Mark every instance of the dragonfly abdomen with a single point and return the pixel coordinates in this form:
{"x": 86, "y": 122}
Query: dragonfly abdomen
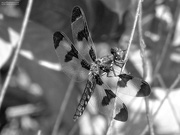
{"x": 89, "y": 89}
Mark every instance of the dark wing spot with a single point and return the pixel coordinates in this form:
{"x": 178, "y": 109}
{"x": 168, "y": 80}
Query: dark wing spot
{"x": 124, "y": 79}
{"x": 57, "y": 38}
{"x": 72, "y": 53}
{"x": 110, "y": 94}
{"x": 145, "y": 90}
{"x": 92, "y": 54}
{"x": 83, "y": 33}
{"x": 76, "y": 13}
{"x": 67, "y": 58}
{"x": 121, "y": 83}
{"x": 122, "y": 115}
{"x": 106, "y": 99}
{"x": 98, "y": 80}
{"x": 85, "y": 64}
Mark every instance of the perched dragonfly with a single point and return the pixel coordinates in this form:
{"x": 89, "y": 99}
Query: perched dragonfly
{"x": 76, "y": 54}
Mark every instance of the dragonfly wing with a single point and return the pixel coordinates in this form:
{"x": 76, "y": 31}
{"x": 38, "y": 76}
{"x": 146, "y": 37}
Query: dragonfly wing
{"x": 70, "y": 59}
{"x": 88, "y": 91}
{"x": 81, "y": 33}
{"x": 105, "y": 99}
{"x": 133, "y": 86}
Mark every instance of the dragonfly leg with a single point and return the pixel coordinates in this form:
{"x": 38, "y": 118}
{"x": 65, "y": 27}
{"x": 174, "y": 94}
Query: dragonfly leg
{"x": 114, "y": 71}
{"x": 108, "y": 74}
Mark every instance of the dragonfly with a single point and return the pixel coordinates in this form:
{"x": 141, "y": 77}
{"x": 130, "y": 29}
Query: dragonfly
{"x": 75, "y": 54}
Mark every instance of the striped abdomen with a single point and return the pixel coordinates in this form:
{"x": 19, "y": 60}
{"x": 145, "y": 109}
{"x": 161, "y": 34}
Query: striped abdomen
{"x": 89, "y": 89}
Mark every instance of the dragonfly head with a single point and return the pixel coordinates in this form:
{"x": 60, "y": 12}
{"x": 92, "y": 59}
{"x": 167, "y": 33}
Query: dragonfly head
{"x": 119, "y": 55}
{"x": 114, "y": 50}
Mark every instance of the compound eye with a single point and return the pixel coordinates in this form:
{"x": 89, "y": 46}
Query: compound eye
{"x": 119, "y": 57}
{"x": 113, "y": 51}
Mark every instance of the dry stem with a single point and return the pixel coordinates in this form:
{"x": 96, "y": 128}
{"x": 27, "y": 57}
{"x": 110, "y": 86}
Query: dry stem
{"x": 14, "y": 60}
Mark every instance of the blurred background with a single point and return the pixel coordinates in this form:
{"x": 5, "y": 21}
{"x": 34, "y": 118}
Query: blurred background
{"x": 37, "y": 87}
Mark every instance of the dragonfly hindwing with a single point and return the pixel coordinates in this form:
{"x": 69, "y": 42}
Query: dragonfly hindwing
{"x": 124, "y": 79}
{"x": 139, "y": 87}
{"x": 122, "y": 115}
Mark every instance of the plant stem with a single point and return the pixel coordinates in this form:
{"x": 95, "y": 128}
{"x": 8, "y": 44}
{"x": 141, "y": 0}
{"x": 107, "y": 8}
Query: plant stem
{"x": 142, "y": 50}
{"x": 14, "y": 60}
{"x": 132, "y": 33}
{"x": 110, "y": 127}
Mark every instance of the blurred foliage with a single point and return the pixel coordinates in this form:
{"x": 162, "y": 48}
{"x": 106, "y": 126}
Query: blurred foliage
{"x": 110, "y": 22}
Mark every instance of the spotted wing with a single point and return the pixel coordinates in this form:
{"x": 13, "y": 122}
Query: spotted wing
{"x": 133, "y": 86}
{"x": 88, "y": 91}
{"x": 81, "y": 35}
{"x": 104, "y": 99}
{"x": 70, "y": 59}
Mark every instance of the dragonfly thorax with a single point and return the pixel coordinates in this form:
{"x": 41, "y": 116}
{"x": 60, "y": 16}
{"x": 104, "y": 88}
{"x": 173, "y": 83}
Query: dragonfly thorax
{"x": 94, "y": 68}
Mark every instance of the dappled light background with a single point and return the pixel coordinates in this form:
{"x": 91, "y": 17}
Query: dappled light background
{"x": 35, "y": 97}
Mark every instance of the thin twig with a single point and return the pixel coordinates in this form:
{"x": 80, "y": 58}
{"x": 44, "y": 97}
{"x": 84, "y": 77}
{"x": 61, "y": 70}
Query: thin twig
{"x": 132, "y": 33}
{"x": 14, "y": 60}
{"x": 142, "y": 44}
{"x": 167, "y": 94}
{"x": 63, "y": 106}
{"x": 110, "y": 127}
{"x": 144, "y": 59}
{"x": 159, "y": 107}
{"x": 161, "y": 81}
